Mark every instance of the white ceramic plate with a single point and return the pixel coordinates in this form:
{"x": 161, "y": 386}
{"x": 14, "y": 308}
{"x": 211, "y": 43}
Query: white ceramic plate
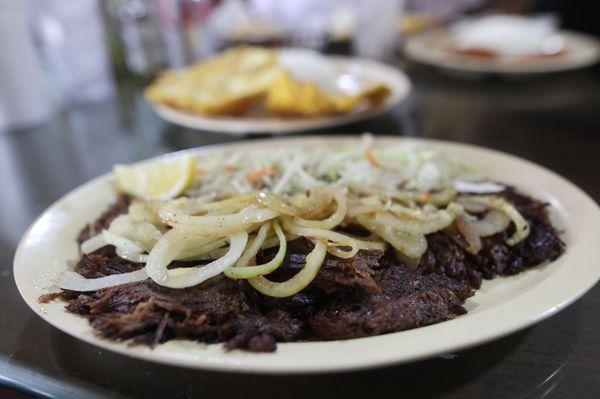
{"x": 369, "y": 70}
{"x": 500, "y": 307}
{"x": 435, "y": 48}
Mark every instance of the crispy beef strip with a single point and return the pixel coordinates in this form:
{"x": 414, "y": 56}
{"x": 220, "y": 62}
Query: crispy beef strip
{"x": 370, "y": 294}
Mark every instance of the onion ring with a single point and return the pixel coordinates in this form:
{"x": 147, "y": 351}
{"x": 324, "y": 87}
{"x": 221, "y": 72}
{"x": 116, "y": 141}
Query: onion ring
{"x": 303, "y": 278}
{"x": 172, "y": 243}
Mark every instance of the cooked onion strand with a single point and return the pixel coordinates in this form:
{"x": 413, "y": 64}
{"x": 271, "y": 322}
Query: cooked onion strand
{"x": 303, "y": 278}
{"x": 265, "y": 268}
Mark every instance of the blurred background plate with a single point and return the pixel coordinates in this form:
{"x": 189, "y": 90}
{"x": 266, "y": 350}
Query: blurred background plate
{"x": 436, "y": 48}
{"x": 364, "y": 69}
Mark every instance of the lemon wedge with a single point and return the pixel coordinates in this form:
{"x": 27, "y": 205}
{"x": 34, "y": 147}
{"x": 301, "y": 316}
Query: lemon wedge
{"x": 161, "y": 180}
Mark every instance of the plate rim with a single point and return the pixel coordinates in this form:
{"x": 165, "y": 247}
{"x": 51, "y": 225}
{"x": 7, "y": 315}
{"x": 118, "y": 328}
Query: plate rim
{"x": 415, "y": 51}
{"x": 401, "y": 88}
{"x": 239, "y": 366}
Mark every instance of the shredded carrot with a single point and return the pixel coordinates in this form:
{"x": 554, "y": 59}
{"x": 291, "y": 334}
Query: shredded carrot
{"x": 425, "y": 196}
{"x": 229, "y": 169}
{"x": 199, "y": 171}
{"x": 257, "y": 175}
{"x": 371, "y": 158}
{"x": 261, "y": 174}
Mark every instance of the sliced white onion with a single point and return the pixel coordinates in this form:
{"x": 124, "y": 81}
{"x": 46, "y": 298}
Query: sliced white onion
{"x": 140, "y": 211}
{"x": 336, "y": 218}
{"x": 270, "y": 242}
{"x": 469, "y": 233}
{"x": 167, "y": 249}
{"x": 371, "y": 245}
{"x": 492, "y": 222}
{"x": 304, "y": 277}
{"x": 335, "y": 250}
{"x": 197, "y": 251}
{"x": 330, "y": 236}
{"x": 170, "y": 212}
{"x": 252, "y": 249}
{"x": 70, "y": 280}
{"x": 431, "y": 222}
{"x": 142, "y": 233}
{"x": 464, "y": 186}
{"x": 412, "y": 245}
{"x": 137, "y": 258}
{"x": 210, "y": 255}
{"x": 471, "y": 205}
{"x": 233, "y": 204}
{"x": 223, "y": 224}
{"x": 412, "y": 263}
{"x": 442, "y": 197}
{"x": 290, "y": 169}
{"x": 521, "y": 225}
{"x": 276, "y": 203}
{"x": 266, "y": 268}
{"x": 192, "y": 205}
{"x": 122, "y": 243}
{"x": 364, "y": 208}
{"x": 93, "y": 244}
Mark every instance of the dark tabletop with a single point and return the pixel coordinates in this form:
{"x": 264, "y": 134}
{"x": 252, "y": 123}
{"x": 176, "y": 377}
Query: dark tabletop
{"x": 553, "y": 120}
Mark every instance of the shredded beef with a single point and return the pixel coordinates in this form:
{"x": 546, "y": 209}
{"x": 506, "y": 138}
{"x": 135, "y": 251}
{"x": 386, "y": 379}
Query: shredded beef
{"x": 407, "y": 299}
{"x": 150, "y": 314}
{"x": 372, "y": 293}
{"x": 117, "y": 208}
{"x": 104, "y": 262}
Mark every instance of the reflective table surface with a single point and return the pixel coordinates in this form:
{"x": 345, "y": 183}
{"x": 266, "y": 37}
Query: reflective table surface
{"x": 553, "y": 120}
